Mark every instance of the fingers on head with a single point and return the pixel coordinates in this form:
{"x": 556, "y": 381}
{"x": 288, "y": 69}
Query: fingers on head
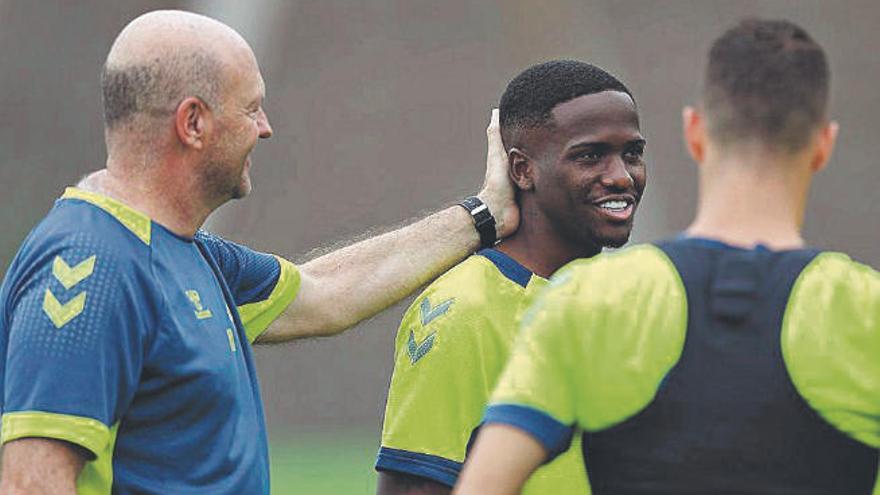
{"x": 493, "y": 123}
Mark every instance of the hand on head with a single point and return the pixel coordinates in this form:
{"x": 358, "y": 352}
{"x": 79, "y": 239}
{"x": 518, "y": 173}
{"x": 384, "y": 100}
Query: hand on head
{"x": 498, "y": 190}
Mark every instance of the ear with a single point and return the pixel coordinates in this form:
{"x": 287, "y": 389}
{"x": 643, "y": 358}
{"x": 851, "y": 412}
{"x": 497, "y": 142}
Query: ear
{"x": 522, "y": 169}
{"x": 192, "y": 121}
{"x": 826, "y": 138}
{"x": 694, "y": 130}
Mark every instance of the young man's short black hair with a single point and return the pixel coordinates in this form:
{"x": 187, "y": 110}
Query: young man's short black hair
{"x": 531, "y": 96}
{"x": 767, "y": 82}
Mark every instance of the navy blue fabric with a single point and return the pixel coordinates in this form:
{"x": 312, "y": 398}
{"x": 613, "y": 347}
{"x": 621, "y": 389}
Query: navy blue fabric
{"x": 252, "y": 275}
{"x": 508, "y": 266}
{"x": 427, "y": 466}
{"x": 716, "y": 244}
{"x": 553, "y": 435}
{"x": 728, "y": 419}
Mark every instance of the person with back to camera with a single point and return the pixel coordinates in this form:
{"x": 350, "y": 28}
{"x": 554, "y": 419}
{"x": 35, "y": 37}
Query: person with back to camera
{"x": 733, "y": 359}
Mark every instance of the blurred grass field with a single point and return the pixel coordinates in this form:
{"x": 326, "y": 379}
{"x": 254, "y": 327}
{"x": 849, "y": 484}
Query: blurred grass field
{"x": 327, "y": 462}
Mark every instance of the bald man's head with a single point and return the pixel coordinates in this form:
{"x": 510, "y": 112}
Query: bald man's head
{"x": 162, "y": 57}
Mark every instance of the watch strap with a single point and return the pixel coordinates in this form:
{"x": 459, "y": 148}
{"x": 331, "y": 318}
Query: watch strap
{"x": 483, "y": 220}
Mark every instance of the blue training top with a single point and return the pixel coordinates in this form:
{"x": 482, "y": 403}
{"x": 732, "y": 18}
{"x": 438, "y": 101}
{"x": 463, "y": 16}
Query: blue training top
{"x": 134, "y": 343}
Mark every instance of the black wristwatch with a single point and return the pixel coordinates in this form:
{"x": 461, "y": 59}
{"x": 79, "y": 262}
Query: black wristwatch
{"x": 483, "y": 220}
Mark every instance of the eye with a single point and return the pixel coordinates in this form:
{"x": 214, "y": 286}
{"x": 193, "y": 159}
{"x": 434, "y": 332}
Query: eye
{"x": 589, "y": 156}
{"x": 634, "y": 154}
{"x": 254, "y": 113}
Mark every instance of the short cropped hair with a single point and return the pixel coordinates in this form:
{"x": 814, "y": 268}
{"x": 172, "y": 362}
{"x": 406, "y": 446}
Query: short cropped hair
{"x": 156, "y": 88}
{"x": 766, "y": 81}
{"x": 533, "y": 94}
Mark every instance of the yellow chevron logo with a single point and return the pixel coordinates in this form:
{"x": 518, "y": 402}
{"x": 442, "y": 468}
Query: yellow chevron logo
{"x": 71, "y": 276}
{"x": 61, "y": 314}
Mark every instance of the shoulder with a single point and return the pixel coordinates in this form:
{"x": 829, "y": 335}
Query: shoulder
{"x": 834, "y": 295}
{"x": 226, "y": 253}
{"x": 635, "y": 274}
{"x": 627, "y": 296}
{"x": 613, "y": 324}
{"x": 830, "y": 342}
{"x": 472, "y": 284}
{"x": 83, "y": 211}
{"x": 236, "y": 259}
{"x": 832, "y": 273}
{"x": 77, "y": 243}
{"x": 476, "y": 269}
{"x": 214, "y": 243}
{"x": 76, "y": 229}
{"x": 472, "y": 295}
{"x": 80, "y": 278}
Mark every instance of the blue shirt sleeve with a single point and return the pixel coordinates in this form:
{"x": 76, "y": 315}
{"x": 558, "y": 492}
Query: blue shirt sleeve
{"x": 76, "y": 329}
{"x": 262, "y": 285}
{"x": 250, "y": 275}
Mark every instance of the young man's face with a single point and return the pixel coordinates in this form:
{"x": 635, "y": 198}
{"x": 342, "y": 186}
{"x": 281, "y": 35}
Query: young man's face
{"x": 590, "y": 171}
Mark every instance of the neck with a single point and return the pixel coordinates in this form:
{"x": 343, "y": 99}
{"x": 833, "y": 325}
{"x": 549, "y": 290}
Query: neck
{"x": 168, "y": 199}
{"x": 752, "y": 199}
{"x": 539, "y": 247}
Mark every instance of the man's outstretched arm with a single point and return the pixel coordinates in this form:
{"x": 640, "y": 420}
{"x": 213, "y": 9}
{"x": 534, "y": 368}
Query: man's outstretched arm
{"x": 346, "y": 286}
{"x": 501, "y": 461}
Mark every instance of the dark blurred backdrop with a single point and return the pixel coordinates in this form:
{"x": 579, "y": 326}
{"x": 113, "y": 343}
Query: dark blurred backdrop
{"x": 379, "y": 109}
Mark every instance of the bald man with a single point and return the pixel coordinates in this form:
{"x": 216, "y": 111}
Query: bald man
{"x": 126, "y": 331}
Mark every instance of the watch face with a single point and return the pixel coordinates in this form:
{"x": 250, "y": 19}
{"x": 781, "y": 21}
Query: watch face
{"x": 471, "y": 202}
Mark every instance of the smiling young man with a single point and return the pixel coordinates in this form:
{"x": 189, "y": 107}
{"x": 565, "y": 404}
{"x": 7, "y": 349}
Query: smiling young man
{"x": 575, "y": 153}
{"x": 730, "y": 360}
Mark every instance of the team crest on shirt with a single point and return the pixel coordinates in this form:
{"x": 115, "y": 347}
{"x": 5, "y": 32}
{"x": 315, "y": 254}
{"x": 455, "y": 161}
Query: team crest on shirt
{"x": 196, "y": 300}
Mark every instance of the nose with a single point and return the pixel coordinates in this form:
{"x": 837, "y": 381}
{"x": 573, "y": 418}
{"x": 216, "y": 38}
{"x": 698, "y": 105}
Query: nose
{"x": 263, "y": 125}
{"x": 617, "y": 176}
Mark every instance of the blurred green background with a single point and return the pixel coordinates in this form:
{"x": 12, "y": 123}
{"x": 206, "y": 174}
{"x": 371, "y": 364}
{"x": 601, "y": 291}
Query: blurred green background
{"x": 318, "y": 461}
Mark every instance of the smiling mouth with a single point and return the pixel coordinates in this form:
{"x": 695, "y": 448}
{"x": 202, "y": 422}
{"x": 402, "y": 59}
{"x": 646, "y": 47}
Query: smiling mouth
{"x": 617, "y": 209}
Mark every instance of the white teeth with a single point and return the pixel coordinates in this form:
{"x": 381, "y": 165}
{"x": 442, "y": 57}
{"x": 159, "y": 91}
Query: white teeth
{"x": 614, "y": 205}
